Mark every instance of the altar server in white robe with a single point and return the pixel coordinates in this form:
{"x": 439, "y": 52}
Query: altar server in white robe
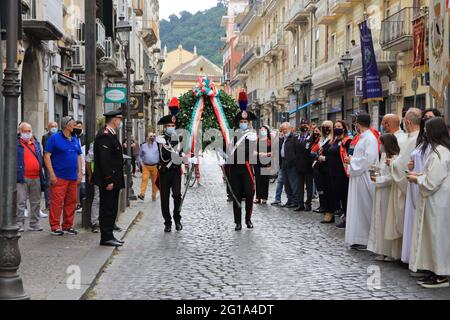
{"x": 415, "y": 125}
{"x": 361, "y": 189}
{"x": 430, "y": 248}
{"x": 383, "y": 184}
{"x": 397, "y": 198}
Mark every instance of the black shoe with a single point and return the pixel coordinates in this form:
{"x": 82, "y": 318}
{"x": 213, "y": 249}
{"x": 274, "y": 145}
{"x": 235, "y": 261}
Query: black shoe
{"x": 358, "y": 247}
{"x": 249, "y": 225}
{"x": 300, "y": 208}
{"x": 308, "y": 208}
{"x": 95, "y": 229}
{"x": 290, "y": 206}
{"x": 111, "y": 243}
{"x": 276, "y": 203}
{"x": 141, "y": 197}
{"x": 178, "y": 226}
{"x": 435, "y": 282}
{"x": 119, "y": 241}
{"x": 168, "y": 229}
{"x": 57, "y": 233}
{"x": 238, "y": 227}
{"x": 319, "y": 210}
{"x": 71, "y": 232}
{"x": 117, "y": 228}
{"x": 341, "y": 225}
{"x": 229, "y": 199}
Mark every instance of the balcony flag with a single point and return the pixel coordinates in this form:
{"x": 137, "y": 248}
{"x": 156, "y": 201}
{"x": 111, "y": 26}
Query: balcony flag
{"x": 372, "y": 89}
{"x": 419, "y": 31}
{"x": 439, "y": 49}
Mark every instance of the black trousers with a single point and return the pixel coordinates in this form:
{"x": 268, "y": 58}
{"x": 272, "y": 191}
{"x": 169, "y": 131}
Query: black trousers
{"x": 170, "y": 180}
{"x": 339, "y": 193}
{"x": 227, "y": 172}
{"x": 242, "y": 183}
{"x": 109, "y": 205}
{"x": 262, "y": 184}
{"x": 322, "y": 180}
{"x": 305, "y": 179}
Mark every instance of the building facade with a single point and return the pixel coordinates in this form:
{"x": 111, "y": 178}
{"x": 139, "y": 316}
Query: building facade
{"x": 289, "y": 42}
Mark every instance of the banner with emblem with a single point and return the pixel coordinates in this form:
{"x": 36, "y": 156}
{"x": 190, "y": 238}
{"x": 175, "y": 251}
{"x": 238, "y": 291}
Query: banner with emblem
{"x": 439, "y": 50}
{"x": 419, "y": 32}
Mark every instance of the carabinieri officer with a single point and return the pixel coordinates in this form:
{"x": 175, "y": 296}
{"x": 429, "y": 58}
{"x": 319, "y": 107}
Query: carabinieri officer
{"x": 241, "y": 171}
{"x": 170, "y": 172}
{"x": 108, "y": 176}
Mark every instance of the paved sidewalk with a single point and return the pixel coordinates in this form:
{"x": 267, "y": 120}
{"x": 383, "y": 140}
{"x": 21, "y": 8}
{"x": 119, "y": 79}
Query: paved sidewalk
{"x": 49, "y": 261}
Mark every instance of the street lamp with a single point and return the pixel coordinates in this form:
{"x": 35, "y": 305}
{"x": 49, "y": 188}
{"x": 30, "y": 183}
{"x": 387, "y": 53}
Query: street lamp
{"x": 123, "y": 31}
{"x": 273, "y": 100}
{"x": 297, "y": 88}
{"x": 151, "y": 76}
{"x": 11, "y": 286}
{"x": 162, "y": 98}
{"x": 345, "y": 64}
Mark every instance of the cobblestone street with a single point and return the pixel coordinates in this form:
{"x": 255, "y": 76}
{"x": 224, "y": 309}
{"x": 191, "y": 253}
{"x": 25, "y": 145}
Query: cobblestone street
{"x": 288, "y": 255}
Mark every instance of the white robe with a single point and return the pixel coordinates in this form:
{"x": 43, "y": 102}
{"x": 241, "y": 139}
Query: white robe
{"x": 377, "y": 242}
{"x": 412, "y": 192}
{"x": 361, "y": 190}
{"x": 430, "y": 247}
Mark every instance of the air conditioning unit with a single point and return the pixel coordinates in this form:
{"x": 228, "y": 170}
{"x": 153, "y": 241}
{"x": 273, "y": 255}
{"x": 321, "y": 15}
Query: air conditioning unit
{"x": 79, "y": 56}
{"x": 395, "y": 88}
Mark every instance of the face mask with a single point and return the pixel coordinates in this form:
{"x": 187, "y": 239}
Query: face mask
{"x": 316, "y": 136}
{"x": 338, "y": 132}
{"x": 303, "y": 129}
{"x": 170, "y": 131}
{"x": 243, "y": 126}
{"x": 77, "y": 131}
{"x": 327, "y": 131}
{"x": 26, "y": 136}
{"x": 53, "y": 130}
{"x": 263, "y": 133}
{"x": 120, "y": 125}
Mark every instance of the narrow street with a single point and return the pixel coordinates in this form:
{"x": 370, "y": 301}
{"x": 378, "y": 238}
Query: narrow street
{"x": 288, "y": 255}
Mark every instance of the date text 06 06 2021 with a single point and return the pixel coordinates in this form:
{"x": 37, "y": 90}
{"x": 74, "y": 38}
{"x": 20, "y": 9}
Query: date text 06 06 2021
{"x": 226, "y": 310}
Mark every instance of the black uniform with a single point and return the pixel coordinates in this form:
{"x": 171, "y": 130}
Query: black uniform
{"x": 304, "y": 162}
{"x": 108, "y": 159}
{"x": 242, "y": 178}
{"x": 170, "y": 174}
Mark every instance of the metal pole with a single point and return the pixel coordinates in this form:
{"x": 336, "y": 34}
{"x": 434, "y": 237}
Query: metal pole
{"x": 344, "y": 101}
{"x": 91, "y": 88}
{"x": 152, "y": 110}
{"x": 128, "y": 125}
{"x": 11, "y": 286}
{"x": 2, "y": 118}
{"x": 297, "y": 114}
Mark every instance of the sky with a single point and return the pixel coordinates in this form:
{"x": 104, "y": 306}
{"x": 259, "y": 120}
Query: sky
{"x": 169, "y": 7}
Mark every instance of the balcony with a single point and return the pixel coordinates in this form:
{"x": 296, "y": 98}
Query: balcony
{"x": 44, "y": 22}
{"x": 239, "y": 74}
{"x": 274, "y": 46}
{"x": 150, "y": 33}
{"x": 101, "y": 38}
{"x": 296, "y": 16}
{"x": 396, "y": 31}
{"x": 108, "y": 62}
{"x": 253, "y": 15}
{"x": 341, "y": 6}
{"x": 251, "y": 58}
{"x": 311, "y": 5}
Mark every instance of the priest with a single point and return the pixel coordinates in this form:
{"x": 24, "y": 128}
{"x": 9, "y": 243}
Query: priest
{"x": 361, "y": 189}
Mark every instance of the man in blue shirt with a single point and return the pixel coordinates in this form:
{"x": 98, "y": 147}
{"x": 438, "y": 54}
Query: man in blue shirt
{"x": 149, "y": 156}
{"x": 64, "y": 163}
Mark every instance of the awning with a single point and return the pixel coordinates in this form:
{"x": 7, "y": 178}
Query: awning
{"x": 304, "y": 106}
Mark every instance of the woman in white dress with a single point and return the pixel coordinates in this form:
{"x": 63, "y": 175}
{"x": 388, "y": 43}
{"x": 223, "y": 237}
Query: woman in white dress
{"x": 383, "y": 184}
{"x": 430, "y": 247}
{"x": 418, "y": 156}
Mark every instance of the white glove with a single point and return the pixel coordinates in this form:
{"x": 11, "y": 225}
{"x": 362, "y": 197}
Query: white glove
{"x": 221, "y": 162}
{"x": 252, "y": 137}
{"x": 160, "y": 140}
{"x": 193, "y": 160}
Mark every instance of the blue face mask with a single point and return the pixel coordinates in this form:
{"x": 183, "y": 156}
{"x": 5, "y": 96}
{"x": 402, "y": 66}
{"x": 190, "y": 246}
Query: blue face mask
{"x": 53, "y": 130}
{"x": 243, "y": 126}
{"x": 170, "y": 131}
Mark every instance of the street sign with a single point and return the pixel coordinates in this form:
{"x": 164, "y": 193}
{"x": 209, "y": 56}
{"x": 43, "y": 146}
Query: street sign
{"x": 359, "y": 92}
{"x": 115, "y": 95}
{"x": 137, "y": 106}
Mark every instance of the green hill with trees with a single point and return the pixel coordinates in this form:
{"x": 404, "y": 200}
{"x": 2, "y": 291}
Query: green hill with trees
{"x": 201, "y": 29}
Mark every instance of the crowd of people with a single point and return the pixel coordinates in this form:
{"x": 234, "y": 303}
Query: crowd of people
{"x": 388, "y": 190}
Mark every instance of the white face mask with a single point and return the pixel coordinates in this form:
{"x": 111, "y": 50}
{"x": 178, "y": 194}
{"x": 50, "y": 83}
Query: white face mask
{"x": 26, "y": 136}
